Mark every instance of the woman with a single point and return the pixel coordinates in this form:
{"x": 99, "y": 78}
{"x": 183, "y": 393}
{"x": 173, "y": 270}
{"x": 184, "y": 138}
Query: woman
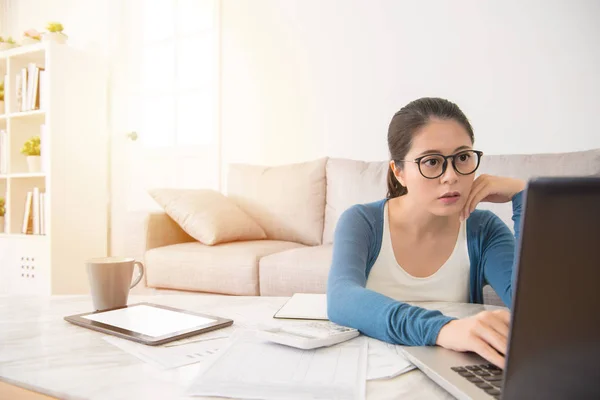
{"x": 426, "y": 241}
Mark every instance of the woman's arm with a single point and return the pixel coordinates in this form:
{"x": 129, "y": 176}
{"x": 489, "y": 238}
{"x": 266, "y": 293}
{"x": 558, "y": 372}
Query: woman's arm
{"x": 498, "y": 247}
{"x": 499, "y": 256}
{"x": 487, "y": 332}
{"x": 349, "y": 303}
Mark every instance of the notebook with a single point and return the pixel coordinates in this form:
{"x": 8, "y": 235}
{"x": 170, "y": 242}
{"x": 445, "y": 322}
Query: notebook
{"x": 304, "y": 306}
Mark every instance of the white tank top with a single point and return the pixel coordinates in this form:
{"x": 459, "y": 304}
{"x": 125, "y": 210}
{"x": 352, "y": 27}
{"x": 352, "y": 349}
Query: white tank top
{"x": 449, "y": 283}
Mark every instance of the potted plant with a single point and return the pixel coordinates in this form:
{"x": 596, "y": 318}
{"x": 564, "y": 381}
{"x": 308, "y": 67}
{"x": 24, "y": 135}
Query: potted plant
{"x": 31, "y": 36}
{"x": 2, "y": 213}
{"x": 55, "y": 33}
{"x": 9, "y": 43}
{"x": 31, "y": 149}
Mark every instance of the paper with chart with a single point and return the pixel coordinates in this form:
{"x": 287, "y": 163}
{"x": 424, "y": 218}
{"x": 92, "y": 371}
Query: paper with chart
{"x": 251, "y": 368}
{"x": 386, "y": 360}
{"x": 169, "y": 357}
{"x": 217, "y": 334}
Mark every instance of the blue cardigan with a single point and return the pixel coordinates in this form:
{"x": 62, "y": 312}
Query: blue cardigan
{"x": 356, "y": 245}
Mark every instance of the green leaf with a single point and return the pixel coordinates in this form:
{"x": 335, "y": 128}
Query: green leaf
{"x": 31, "y": 147}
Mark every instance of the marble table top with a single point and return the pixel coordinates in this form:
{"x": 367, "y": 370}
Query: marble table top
{"x": 40, "y": 351}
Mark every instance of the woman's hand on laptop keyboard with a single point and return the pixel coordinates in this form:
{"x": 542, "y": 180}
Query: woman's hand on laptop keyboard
{"x": 485, "y": 333}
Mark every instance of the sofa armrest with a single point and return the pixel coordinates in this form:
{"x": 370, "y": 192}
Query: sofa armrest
{"x": 161, "y": 231}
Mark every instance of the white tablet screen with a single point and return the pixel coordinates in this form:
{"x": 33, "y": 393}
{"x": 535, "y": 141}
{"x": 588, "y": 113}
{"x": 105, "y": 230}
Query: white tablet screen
{"x": 151, "y": 321}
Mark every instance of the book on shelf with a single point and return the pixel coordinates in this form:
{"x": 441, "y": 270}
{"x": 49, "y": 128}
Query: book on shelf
{"x": 19, "y": 91}
{"x": 43, "y": 213}
{"x": 35, "y": 204}
{"x": 42, "y": 91}
{"x": 22, "y": 90}
{"x": 30, "y": 87}
{"x": 27, "y": 218}
{"x": 34, "y": 217}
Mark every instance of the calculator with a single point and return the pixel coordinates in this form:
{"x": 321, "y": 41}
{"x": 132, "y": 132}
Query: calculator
{"x": 309, "y": 336}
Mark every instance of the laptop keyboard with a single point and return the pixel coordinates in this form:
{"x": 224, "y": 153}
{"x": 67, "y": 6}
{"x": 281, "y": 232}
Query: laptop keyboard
{"x": 487, "y": 377}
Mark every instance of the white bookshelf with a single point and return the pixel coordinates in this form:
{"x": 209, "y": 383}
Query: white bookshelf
{"x": 73, "y": 177}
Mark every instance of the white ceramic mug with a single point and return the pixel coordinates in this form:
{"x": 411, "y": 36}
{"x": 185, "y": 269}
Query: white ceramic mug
{"x": 110, "y": 280}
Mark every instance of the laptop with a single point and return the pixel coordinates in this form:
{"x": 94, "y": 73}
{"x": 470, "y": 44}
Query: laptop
{"x": 554, "y": 342}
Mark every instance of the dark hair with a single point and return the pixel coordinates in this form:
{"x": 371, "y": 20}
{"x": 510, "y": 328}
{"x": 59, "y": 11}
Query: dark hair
{"x": 406, "y": 122}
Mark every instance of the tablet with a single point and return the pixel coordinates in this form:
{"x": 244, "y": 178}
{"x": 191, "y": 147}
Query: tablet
{"x": 150, "y": 324}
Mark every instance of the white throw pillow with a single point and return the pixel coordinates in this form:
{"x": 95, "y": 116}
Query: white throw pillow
{"x": 288, "y": 201}
{"x": 207, "y": 215}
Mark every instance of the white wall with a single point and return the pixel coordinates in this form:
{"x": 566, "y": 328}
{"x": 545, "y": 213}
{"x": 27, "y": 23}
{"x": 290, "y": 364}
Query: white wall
{"x": 308, "y": 78}
{"x": 303, "y": 79}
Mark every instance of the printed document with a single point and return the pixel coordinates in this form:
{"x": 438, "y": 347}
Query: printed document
{"x": 169, "y": 357}
{"x": 386, "y": 360}
{"x": 252, "y": 368}
{"x": 304, "y": 306}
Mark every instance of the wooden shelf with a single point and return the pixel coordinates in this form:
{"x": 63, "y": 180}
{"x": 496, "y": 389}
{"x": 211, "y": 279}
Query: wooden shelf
{"x": 21, "y": 235}
{"x": 74, "y": 206}
{"x": 26, "y": 175}
{"x": 25, "y": 114}
{"x": 25, "y": 50}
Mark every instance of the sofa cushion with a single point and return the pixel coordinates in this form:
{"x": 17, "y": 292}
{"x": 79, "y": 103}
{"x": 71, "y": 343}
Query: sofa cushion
{"x": 301, "y": 270}
{"x": 207, "y": 215}
{"x": 229, "y": 268}
{"x": 351, "y": 182}
{"x": 288, "y": 201}
{"x": 525, "y": 166}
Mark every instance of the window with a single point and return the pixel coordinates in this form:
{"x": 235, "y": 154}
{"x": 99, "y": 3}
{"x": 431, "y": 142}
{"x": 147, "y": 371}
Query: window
{"x": 176, "y": 94}
{"x": 165, "y": 88}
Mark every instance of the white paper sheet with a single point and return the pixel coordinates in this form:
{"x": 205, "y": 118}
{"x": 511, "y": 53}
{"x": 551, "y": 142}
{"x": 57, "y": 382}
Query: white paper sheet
{"x": 251, "y": 368}
{"x": 198, "y": 338}
{"x": 170, "y": 357}
{"x": 304, "y": 306}
{"x": 386, "y": 360}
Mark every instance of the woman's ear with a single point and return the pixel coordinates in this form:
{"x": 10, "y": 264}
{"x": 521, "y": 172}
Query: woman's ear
{"x": 397, "y": 172}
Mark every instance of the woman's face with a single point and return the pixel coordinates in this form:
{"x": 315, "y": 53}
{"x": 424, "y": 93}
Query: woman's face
{"x": 447, "y": 194}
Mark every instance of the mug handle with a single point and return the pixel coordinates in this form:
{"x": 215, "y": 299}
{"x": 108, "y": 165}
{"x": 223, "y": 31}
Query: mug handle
{"x": 141, "y": 274}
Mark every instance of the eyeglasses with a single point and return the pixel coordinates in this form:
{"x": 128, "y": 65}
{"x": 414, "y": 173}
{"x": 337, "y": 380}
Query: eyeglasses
{"x": 433, "y": 166}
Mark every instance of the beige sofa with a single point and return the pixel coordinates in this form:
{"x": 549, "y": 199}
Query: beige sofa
{"x": 298, "y": 206}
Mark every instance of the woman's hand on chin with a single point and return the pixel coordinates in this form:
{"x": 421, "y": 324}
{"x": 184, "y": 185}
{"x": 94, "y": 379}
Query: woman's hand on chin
{"x": 493, "y": 189}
